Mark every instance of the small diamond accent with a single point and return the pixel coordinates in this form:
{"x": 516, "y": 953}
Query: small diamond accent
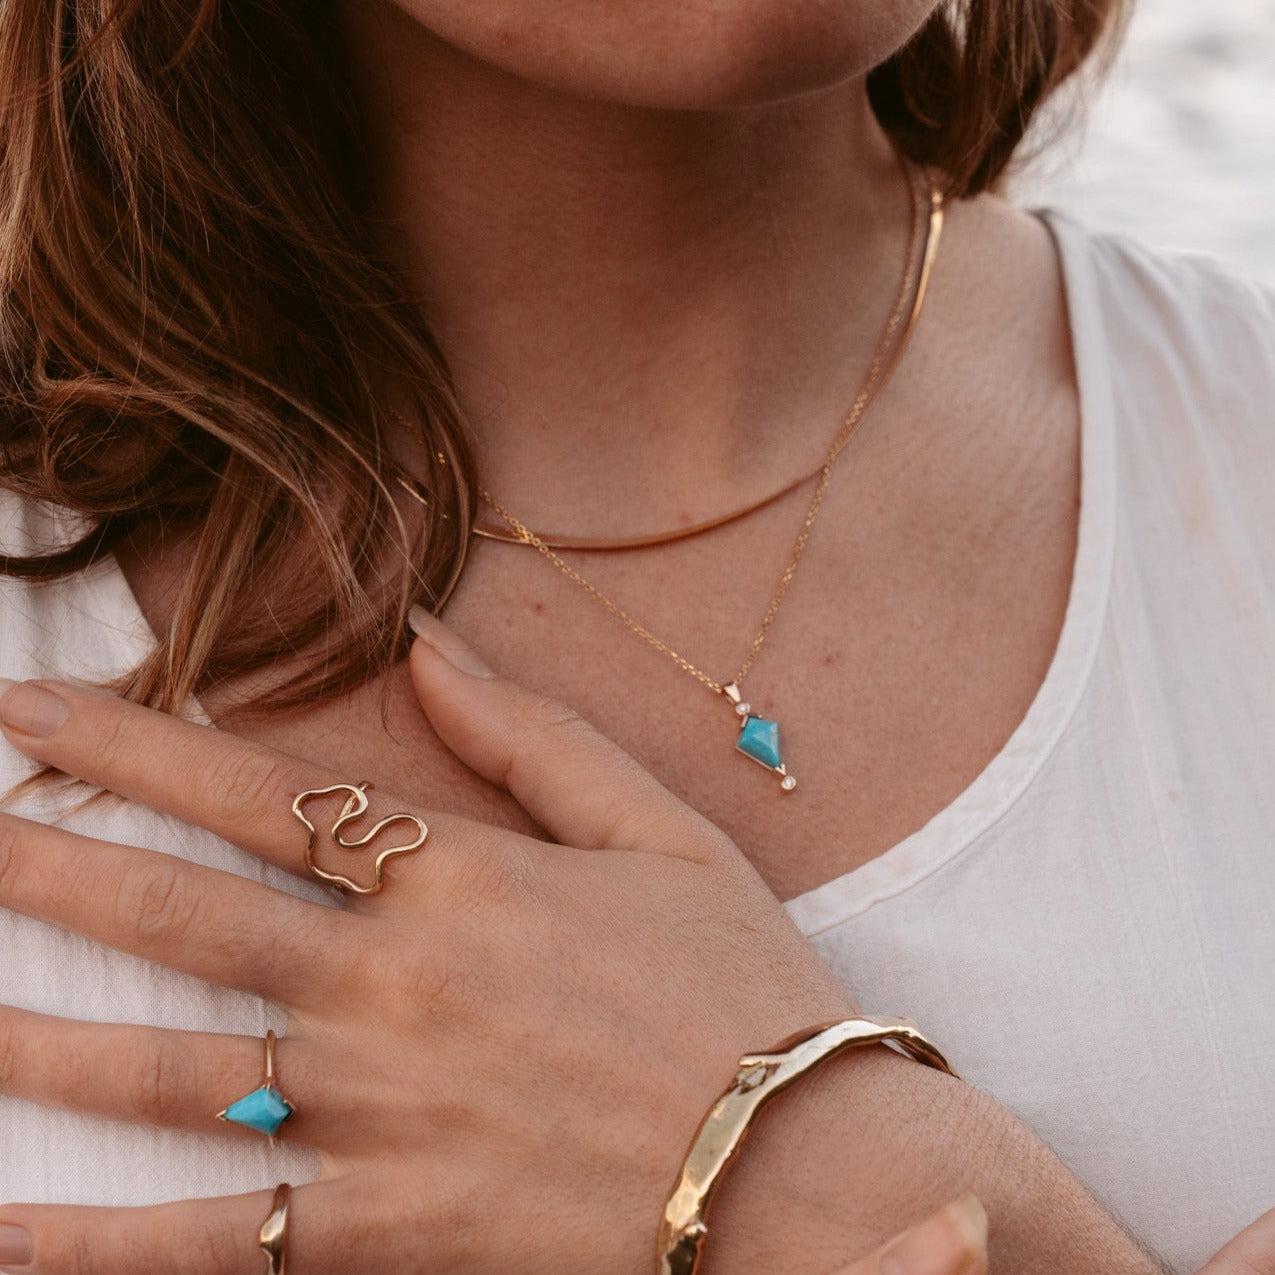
{"x": 743, "y": 708}
{"x": 789, "y": 783}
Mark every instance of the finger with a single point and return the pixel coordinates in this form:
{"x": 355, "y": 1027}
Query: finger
{"x": 952, "y": 1242}
{"x": 1251, "y": 1252}
{"x": 241, "y": 791}
{"x": 215, "y": 925}
{"x": 173, "y": 1079}
{"x": 196, "y": 1237}
{"x": 582, "y": 788}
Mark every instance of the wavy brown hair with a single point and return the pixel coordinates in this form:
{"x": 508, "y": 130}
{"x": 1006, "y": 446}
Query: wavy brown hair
{"x": 199, "y": 332}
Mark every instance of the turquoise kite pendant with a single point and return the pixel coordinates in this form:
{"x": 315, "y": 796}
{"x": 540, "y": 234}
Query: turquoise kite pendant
{"x": 759, "y": 738}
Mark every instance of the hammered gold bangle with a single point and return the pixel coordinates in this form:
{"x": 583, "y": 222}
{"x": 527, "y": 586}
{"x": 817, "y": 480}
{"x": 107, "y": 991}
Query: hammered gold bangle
{"x": 759, "y": 1078}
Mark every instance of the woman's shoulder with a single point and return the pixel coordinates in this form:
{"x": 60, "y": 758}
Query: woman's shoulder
{"x": 1181, "y": 345}
{"x": 1183, "y": 318}
{"x": 1178, "y": 349}
{"x": 1176, "y": 274}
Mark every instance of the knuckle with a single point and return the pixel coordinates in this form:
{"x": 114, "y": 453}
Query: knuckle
{"x": 159, "y": 1081}
{"x": 502, "y": 877}
{"x": 453, "y": 1209}
{"x": 245, "y": 953}
{"x": 9, "y": 850}
{"x": 247, "y": 781}
{"x": 543, "y": 712}
{"x": 8, "y": 1055}
{"x": 160, "y": 903}
{"x": 289, "y": 941}
{"x": 491, "y": 877}
{"x": 221, "y": 1252}
{"x": 437, "y": 981}
{"x": 12, "y": 845}
{"x": 556, "y": 738}
{"x": 82, "y": 1254}
{"x": 133, "y": 1249}
{"x": 427, "y": 983}
{"x": 112, "y": 740}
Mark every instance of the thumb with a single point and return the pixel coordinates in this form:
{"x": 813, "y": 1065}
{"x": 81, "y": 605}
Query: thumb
{"x": 583, "y": 789}
{"x": 1251, "y": 1252}
{"x": 952, "y": 1242}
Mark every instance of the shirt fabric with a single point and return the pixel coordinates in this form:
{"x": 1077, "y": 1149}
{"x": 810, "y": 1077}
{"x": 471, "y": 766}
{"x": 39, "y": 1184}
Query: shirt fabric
{"x": 1087, "y": 929}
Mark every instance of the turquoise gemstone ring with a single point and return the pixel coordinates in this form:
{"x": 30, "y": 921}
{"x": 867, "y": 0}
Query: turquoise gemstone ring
{"x": 265, "y": 1109}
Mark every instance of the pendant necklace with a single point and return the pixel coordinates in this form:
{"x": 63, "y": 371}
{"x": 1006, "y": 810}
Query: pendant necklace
{"x": 759, "y": 737}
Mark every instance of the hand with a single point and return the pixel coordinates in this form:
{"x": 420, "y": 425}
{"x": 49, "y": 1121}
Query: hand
{"x": 501, "y": 1059}
{"x": 1251, "y": 1252}
{"x": 952, "y": 1242}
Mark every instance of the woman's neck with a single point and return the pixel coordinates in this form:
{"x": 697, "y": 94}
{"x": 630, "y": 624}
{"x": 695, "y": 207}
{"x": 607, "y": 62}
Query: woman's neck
{"x": 649, "y": 314}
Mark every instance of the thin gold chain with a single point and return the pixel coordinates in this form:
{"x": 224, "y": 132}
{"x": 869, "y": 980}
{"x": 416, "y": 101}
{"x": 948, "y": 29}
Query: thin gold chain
{"x": 885, "y": 357}
{"x": 527, "y": 536}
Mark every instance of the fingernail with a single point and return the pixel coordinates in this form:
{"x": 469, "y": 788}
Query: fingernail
{"x": 15, "y": 1246}
{"x": 32, "y": 710}
{"x": 949, "y": 1243}
{"x": 457, "y": 653}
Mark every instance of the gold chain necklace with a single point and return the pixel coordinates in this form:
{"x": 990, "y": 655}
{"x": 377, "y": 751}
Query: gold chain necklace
{"x": 759, "y": 737}
{"x": 650, "y": 540}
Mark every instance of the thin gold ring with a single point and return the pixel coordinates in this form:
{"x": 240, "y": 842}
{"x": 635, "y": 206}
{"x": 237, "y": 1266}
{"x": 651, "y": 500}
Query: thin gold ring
{"x": 265, "y": 1109}
{"x": 273, "y": 1237}
{"x": 356, "y": 804}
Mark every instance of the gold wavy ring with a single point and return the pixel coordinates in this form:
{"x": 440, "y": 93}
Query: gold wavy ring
{"x": 273, "y": 1238}
{"x": 356, "y": 804}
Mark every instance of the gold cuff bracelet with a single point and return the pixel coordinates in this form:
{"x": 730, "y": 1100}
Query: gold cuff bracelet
{"x": 759, "y": 1078}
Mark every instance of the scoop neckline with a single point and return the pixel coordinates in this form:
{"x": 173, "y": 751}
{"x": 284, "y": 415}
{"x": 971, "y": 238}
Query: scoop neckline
{"x": 1004, "y": 780}
{"x": 1000, "y": 784}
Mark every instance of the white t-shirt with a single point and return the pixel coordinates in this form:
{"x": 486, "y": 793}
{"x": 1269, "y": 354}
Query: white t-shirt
{"x": 1089, "y": 928}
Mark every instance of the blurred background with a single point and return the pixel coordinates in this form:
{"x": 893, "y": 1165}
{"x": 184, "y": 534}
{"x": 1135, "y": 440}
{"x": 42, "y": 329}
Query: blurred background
{"x": 1178, "y": 145}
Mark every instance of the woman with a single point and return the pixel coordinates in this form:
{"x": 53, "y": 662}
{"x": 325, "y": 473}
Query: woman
{"x": 281, "y": 286}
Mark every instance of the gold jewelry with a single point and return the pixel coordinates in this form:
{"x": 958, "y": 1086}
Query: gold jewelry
{"x": 759, "y": 1077}
{"x": 586, "y": 544}
{"x": 265, "y": 1109}
{"x": 590, "y": 544}
{"x": 273, "y": 1236}
{"x": 759, "y": 737}
{"x": 355, "y": 805}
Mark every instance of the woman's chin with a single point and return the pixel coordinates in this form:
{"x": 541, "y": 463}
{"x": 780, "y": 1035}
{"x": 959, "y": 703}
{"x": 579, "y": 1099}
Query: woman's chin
{"x": 749, "y": 52}
{"x": 658, "y": 53}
